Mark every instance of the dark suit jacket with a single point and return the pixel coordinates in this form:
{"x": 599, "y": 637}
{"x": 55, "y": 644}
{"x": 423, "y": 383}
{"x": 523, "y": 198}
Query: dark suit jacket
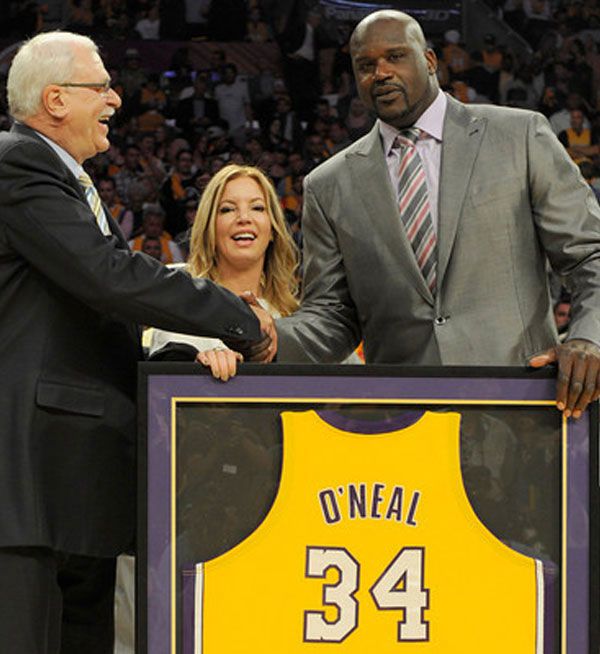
{"x": 70, "y": 299}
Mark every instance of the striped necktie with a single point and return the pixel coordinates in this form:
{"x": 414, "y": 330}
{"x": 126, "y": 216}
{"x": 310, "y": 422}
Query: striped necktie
{"x": 91, "y": 195}
{"x": 414, "y": 205}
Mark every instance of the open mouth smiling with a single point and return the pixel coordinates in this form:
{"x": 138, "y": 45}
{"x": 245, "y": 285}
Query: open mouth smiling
{"x": 105, "y": 118}
{"x": 244, "y": 237}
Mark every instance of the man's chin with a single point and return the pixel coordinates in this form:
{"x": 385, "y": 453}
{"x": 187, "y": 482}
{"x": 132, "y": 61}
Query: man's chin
{"x": 102, "y": 146}
{"x": 392, "y": 115}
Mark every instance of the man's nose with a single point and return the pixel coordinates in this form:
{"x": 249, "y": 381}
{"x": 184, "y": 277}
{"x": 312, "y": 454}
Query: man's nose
{"x": 114, "y": 99}
{"x": 382, "y": 69}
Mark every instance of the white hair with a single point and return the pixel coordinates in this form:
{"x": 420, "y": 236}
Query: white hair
{"x": 47, "y": 58}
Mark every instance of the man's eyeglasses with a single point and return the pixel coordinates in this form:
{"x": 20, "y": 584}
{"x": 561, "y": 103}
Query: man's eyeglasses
{"x": 101, "y": 87}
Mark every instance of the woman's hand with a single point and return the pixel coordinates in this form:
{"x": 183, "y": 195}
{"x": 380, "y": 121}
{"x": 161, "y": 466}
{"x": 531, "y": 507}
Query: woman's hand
{"x": 222, "y": 362}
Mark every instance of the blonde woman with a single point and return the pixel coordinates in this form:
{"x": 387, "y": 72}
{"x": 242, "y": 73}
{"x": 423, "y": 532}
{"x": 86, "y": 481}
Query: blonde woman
{"x": 240, "y": 240}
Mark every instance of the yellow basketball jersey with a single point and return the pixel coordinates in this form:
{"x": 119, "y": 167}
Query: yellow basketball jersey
{"x": 371, "y": 547}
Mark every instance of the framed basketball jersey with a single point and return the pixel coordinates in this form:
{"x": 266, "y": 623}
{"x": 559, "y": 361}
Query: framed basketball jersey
{"x": 349, "y": 509}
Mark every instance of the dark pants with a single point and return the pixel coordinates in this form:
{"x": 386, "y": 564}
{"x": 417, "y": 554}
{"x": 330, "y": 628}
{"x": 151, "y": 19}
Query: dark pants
{"x": 55, "y": 603}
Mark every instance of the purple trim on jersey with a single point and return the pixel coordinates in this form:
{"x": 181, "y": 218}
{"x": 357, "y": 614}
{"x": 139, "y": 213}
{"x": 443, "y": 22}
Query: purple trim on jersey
{"x": 188, "y": 599}
{"x": 550, "y": 577}
{"x": 358, "y": 426}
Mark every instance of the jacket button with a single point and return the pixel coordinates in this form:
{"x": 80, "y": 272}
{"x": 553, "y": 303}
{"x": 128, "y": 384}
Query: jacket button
{"x": 235, "y": 330}
{"x": 441, "y": 320}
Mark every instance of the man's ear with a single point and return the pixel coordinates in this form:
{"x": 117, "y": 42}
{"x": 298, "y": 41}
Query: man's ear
{"x": 53, "y": 101}
{"x": 432, "y": 62}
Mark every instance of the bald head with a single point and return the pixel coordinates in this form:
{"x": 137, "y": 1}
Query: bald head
{"x": 412, "y": 28}
{"x": 395, "y": 71}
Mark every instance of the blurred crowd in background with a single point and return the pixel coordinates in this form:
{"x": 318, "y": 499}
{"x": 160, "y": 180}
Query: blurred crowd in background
{"x": 271, "y": 84}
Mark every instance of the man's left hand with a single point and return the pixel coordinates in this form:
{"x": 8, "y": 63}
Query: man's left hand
{"x": 578, "y": 381}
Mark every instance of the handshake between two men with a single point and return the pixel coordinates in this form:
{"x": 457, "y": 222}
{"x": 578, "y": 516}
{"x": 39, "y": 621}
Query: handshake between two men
{"x": 578, "y": 362}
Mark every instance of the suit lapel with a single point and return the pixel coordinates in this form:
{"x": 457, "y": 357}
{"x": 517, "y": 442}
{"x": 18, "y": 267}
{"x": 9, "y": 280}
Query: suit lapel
{"x": 461, "y": 141}
{"x": 370, "y": 174}
{"x": 69, "y": 178}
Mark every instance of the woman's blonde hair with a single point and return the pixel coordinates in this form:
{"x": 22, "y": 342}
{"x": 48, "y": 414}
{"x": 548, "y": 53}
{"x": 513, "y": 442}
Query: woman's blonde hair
{"x": 279, "y": 284}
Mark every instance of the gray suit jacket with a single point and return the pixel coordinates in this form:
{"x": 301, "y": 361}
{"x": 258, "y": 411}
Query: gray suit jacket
{"x": 510, "y": 198}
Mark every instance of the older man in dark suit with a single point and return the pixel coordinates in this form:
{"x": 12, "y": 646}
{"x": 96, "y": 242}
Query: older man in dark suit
{"x": 71, "y": 294}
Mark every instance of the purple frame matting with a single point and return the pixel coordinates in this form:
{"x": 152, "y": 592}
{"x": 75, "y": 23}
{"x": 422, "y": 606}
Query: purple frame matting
{"x": 162, "y": 388}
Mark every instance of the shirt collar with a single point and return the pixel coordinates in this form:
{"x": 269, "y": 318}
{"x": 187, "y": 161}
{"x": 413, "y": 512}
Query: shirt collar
{"x": 431, "y": 121}
{"x": 65, "y": 157}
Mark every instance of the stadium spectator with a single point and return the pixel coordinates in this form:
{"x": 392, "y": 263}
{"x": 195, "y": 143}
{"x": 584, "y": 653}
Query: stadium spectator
{"x": 291, "y": 127}
{"x": 492, "y": 55}
{"x": 234, "y": 103}
{"x": 172, "y": 192}
{"x": 132, "y": 77}
{"x": 560, "y": 120}
{"x": 337, "y": 138}
{"x": 196, "y": 17}
{"x": 300, "y": 43}
{"x": 454, "y": 54}
{"x": 274, "y": 137}
{"x": 520, "y": 92}
{"x": 215, "y": 70}
{"x": 315, "y": 151}
{"x": 358, "y": 121}
{"x": 148, "y": 27}
{"x": 589, "y": 172}
{"x": 292, "y": 199}
{"x": 153, "y": 222}
{"x": 182, "y": 240}
{"x": 80, "y": 16}
{"x": 152, "y": 105}
{"x": 576, "y": 138}
{"x": 562, "y": 316}
{"x": 149, "y": 161}
{"x": 538, "y": 20}
{"x": 152, "y": 246}
{"x": 262, "y": 89}
{"x": 120, "y": 213}
{"x": 482, "y": 79}
{"x": 131, "y": 171}
{"x": 194, "y": 114}
{"x": 257, "y": 30}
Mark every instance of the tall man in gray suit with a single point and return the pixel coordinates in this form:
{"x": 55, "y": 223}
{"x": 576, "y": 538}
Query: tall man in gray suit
{"x": 440, "y": 258}
{"x": 71, "y": 294}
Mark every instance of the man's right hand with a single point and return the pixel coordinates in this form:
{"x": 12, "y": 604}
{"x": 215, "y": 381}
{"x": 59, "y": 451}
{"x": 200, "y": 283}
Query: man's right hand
{"x": 264, "y": 351}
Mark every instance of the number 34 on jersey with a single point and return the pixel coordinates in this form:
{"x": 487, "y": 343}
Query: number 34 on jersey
{"x": 406, "y": 570}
